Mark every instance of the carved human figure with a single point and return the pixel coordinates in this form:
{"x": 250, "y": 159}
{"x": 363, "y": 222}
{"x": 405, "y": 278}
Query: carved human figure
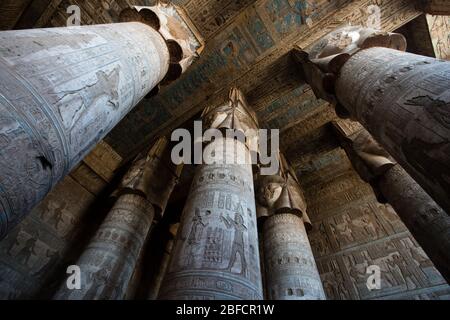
{"x": 111, "y": 257}
{"x": 238, "y": 242}
{"x": 224, "y": 188}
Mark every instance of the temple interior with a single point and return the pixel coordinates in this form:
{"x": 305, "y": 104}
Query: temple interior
{"x": 357, "y": 210}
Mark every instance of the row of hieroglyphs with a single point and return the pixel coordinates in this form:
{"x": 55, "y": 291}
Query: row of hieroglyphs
{"x": 241, "y": 48}
{"x": 31, "y": 255}
{"x": 353, "y": 231}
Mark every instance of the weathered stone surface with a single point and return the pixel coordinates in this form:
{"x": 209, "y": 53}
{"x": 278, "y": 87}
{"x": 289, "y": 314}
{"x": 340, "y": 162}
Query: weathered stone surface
{"x": 33, "y": 254}
{"x": 216, "y": 254}
{"x": 57, "y": 102}
{"x": 244, "y": 52}
{"x": 388, "y": 91}
{"x": 439, "y": 30}
{"x": 291, "y": 272}
{"x": 437, "y": 7}
{"x": 153, "y": 175}
{"x": 108, "y": 262}
{"x": 216, "y": 251}
{"x": 155, "y": 286}
{"x": 426, "y": 221}
{"x": 352, "y": 233}
{"x": 10, "y": 12}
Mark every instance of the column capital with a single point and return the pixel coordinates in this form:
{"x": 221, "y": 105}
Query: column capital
{"x": 183, "y": 41}
{"x": 280, "y": 194}
{"x": 320, "y": 64}
{"x": 153, "y": 175}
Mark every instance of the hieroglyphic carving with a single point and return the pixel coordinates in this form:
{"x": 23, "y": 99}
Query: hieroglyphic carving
{"x": 403, "y": 264}
{"x": 216, "y": 253}
{"x": 30, "y": 256}
{"x": 439, "y": 28}
{"x": 54, "y": 111}
{"x": 103, "y": 160}
{"x": 420, "y": 148}
{"x": 108, "y": 262}
{"x": 209, "y": 16}
{"x": 437, "y": 7}
{"x": 291, "y": 272}
{"x": 153, "y": 175}
{"x": 212, "y": 73}
{"x": 427, "y": 222}
{"x": 344, "y": 69}
{"x": 345, "y": 226}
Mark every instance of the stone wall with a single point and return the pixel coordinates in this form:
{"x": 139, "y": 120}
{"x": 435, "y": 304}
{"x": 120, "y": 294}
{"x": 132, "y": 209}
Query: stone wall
{"x": 33, "y": 257}
{"x": 352, "y": 231}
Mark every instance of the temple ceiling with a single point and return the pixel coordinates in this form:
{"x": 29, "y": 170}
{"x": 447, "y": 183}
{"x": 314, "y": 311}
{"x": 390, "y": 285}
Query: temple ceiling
{"x": 247, "y": 44}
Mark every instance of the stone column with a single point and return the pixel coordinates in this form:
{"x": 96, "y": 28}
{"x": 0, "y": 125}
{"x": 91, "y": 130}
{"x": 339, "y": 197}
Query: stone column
{"x": 426, "y": 221}
{"x": 291, "y": 271}
{"x": 216, "y": 254}
{"x": 402, "y": 99}
{"x": 108, "y": 262}
{"x": 62, "y": 90}
{"x": 159, "y": 277}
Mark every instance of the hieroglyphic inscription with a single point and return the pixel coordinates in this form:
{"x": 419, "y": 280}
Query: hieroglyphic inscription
{"x": 291, "y": 272}
{"x": 216, "y": 250}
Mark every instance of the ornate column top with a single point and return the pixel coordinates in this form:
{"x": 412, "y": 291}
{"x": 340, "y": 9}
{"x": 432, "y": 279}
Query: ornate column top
{"x": 320, "y": 64}
{"x": 183, "y": 42}
{"x": 234, "y": 114}
{"x": 280, "y": 193}
{"x": 153, "y": 175}
{"x": 368, "y": 158}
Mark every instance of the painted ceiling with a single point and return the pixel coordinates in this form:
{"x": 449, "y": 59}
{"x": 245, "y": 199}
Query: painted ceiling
{"x": 247, "y": 44}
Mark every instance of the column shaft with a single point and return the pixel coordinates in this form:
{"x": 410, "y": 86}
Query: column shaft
{"x": 426, "y": 221}
{"x": 291, "y": 271}
{"x": 403, "y": 100}
{"x": 159, "y": 277}
{"x": 216, "y": 250}
{"x": 108, "y": 262}
{"x": 61, "y": 91}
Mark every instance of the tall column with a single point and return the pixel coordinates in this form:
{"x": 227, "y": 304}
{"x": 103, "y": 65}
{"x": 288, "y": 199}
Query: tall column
{"x": 426, "y": 221}
{"x": 402, "y": 99}
{"x": 290, "y": 268}
{"x": 62, "y": 90}
{"x": 159, "y": 276}
{"x": 216, "y": 254}
{"x": 108, "y": 262}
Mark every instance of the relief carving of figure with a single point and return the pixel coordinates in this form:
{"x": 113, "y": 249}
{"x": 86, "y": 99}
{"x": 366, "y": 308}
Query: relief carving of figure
{"x": 28, "y": 248}
{"x": 238, "y": 242}
{"x": 195, "y": 235}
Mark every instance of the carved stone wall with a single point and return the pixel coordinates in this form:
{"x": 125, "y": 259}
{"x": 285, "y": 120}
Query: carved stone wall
{"x": 33, "y": 255}
{"x": 352, "y": 231}
{"x": 439, "y": 27}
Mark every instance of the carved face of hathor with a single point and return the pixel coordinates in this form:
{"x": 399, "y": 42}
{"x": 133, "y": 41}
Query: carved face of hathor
{"x": 349, "y": 40}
